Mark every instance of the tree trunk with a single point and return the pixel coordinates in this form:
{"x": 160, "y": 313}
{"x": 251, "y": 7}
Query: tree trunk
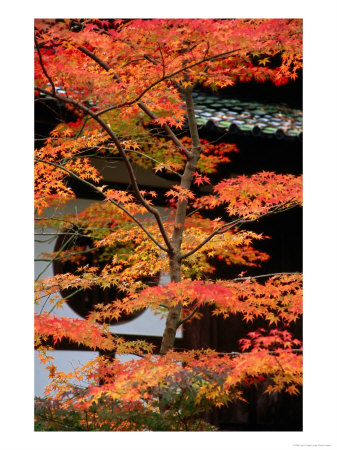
{"x": 173, "y": 317}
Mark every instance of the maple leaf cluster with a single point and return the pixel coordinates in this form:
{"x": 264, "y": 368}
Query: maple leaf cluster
{"x": 159, "y": 52}
{"x": 191, "y": 381}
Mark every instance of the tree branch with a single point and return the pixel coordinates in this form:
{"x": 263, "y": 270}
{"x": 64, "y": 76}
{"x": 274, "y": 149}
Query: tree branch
{"x": 184, "y": 319}
{"x": 168, "y": 130}
{"x": 43, "y": 67}
{"x": 116, "y": 141}
{"x": 97, "y": 59}
{"x": 221, "y": 229}
{"x": 271, "y": 352}
{"x": 162, "y": 59}
{"x": 141, "y": 105}
{"x": 189, "y": 316}
{"x": 226, "y": 227}
{"x": 267, "y": 275}
{"x": 167, "y": 77}
{"x": 111, "y": 200}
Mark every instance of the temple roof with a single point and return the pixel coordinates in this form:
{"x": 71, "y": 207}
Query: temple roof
{"x": 248, "y": 117}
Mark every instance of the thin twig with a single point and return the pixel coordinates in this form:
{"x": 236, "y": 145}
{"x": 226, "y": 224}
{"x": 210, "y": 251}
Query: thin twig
{"x": 82, "y": 127}
{"x": 59, "y": 251}
{"x": 152, "y": 159}
{"x": 67, "y": 297}
{"x": 68, "y": 255}
{"x": 68, "y": 234}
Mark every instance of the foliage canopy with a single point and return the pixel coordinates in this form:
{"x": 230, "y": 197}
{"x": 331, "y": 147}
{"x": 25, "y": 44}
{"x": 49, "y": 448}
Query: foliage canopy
{"x": 125, "y": 80}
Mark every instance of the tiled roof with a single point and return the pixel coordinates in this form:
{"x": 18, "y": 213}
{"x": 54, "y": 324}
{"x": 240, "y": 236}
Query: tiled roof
{"x": 244, "y": 117}
{"x": 247, "y": 117}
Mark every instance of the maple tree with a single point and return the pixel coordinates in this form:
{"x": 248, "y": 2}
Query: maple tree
{"x": 122, "y": 78}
